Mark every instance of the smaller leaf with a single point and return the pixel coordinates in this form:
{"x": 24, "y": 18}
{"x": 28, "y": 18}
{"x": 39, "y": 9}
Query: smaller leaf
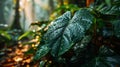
{"x": 5, "y": 35}
{"x": 25, "y": 35}
{"x": 105, "y": 51}
{"x": 42, "y": 51}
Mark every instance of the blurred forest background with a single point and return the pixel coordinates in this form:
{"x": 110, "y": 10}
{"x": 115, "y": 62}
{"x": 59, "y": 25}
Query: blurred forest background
{"x": 29, "y": 11}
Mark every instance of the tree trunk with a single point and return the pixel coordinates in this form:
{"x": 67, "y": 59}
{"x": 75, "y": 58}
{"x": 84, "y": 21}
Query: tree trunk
{"x": 16, "y": 22}
{"x": 2, "y": 19}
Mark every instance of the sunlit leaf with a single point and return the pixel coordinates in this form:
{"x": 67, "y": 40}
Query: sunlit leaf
{"x": 67, "y": 30}
{"x": 25, "y": 35}
{"x": 5, "y": 35}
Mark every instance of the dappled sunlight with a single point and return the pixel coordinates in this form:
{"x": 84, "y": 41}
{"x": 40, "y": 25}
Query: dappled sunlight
{"x": 17, "y": 59}
{"x": 15, "y": 56}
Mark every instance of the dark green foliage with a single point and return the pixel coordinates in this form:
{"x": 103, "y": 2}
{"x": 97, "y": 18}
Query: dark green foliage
{"x": 116, "y": 25}
{"x": 83, "y": 39}
{"x": 106, "y": 58}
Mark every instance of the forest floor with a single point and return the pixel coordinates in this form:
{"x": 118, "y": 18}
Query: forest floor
{"x": 15, "y": 57}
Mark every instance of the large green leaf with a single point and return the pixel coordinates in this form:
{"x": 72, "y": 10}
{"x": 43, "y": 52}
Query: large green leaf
{"x": 67, "y": 30}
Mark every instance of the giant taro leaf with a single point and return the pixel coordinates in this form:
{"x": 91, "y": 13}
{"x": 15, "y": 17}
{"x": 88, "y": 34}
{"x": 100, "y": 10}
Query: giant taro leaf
{"x": 67, "y": 30}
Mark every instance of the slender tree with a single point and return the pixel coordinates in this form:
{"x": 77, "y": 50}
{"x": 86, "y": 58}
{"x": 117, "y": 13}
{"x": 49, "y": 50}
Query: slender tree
{"x": 16, "y": 22}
